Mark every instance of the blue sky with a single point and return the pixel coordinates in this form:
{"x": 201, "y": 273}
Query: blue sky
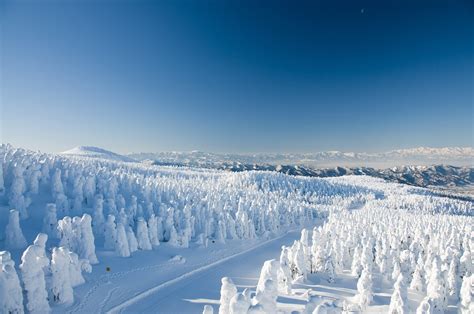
{"x": 233, "y": 76}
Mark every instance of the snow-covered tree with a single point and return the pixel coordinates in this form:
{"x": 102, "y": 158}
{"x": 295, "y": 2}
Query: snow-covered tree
{"x": 239, "y": 304}
{"x": 228, "y": 290}
{"x": 14, "y": 238}
{"x": 57, "y": 184}
{"x": 399, "y": 299}
{"x": 110, "y": 233}
{"x": 2, "y": 181}
{"x": 143, "y": 235}
{"x": 50, "y": 221}
{"x": 132, "y": 240}
{"x": 364, "y": 289}
{"x": 435, "y": 287}
{"x": 424, "y": 307}
{"x": 17, "y": 199}
{"x": 417, "y": 282}
{"x": 11, "y": 296}
{"x": 284, "y": 273}
{"x": 66, "y": 233}
{"x": 76, "y": 267}
{"x": 33, "y": 261}
{"x": 153, "y": 230}
{"x": 466, "y": 304}
{"x": 452, "y": 280}
{"x": 269, "y": 271}
{"x": 87, "y": 246}
{"x": 61, "y": 281}
{"x": 98, "y": 220}
{"x": 208, "y": 309}
{"x": 121, "y": 247}
{"x": 267, "y": 295}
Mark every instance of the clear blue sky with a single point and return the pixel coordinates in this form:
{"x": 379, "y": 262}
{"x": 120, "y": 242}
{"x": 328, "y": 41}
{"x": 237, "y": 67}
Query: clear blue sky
{"x": 237, "y": 76}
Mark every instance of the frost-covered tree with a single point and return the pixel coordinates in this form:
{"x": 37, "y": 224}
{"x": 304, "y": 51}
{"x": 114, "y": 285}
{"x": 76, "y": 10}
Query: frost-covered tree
{"x": 75, "y": 269}
{"x": 239, "y": 304}
{"x": 14, "y": 238}
{"x": 329, "y": 269}
{"x": 33, "y": 261}
{"x": 284, "y": 273}
{"x": 90, "y": 189}
{"x": 11, "y": 296}
{"x": 2, "y": 181}
{"x": 98, "y": 219}
{"x": 466, "y": 305}
{"x": 269, "y": 271}
{"x": 228, "y": 290}
{"x": 452, "y": 279}
{"x": 173, "y": 239}
{"x": 356, "y": 266}
{"x": 435, "y": 287}
{"x": 34, "y": 182}
{"x": 50, "y": 221}
{"x": 110, "y": 233}
{"x": 122, "y": 248}
{"x": 424, "y": 307}
{"x": 57, "y": 184}
{"x": 153, "y": 230}
{"x": 143, "y": 235}
{"x": 66, "y": 234}
{"x": 299, "y": 263}
{"x": 208, "y": 309}
{"x": 267, "y": 296}
{"x": 132, "y": 240}
{"x": 17, "y": 199}
{"x": 399, "y": 299}
{"x": 61, "y": 286}
{"x": 364, "y": 289}
{"x": 417, "y": 282}
{"x": 87, "y": 246}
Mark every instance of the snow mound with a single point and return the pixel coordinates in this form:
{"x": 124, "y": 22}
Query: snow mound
{"x": 96, "y": 152}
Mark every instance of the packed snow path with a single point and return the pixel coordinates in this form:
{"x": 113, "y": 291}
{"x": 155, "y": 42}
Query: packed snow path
{"x": 191, "y": 291}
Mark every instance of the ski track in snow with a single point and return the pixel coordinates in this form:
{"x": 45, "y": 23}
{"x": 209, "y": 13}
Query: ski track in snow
{"x": 106, "y": 279}
{"x": 119, "y": 308}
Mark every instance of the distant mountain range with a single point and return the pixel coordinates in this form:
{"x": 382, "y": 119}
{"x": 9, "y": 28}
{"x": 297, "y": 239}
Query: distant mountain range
{"x": 423, "y": 173}
{"x": 456, "y": 156}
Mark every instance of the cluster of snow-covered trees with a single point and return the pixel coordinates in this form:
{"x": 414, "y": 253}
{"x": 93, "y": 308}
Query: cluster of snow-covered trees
{"x": 135, "y": 206}
{"x": 427, "y": 253}
{"x": 81, "y": 203}
{"x": 45, "y": 278}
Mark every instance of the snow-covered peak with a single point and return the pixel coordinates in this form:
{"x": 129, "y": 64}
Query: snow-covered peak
{"x": 96, "y": 152}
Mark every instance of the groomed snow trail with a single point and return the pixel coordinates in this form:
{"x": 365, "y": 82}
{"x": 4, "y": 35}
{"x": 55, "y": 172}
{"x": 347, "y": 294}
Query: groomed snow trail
{"x": 189, "y": 292}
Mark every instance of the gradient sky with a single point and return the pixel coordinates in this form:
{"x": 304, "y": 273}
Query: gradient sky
{"x": 237, "y": 76}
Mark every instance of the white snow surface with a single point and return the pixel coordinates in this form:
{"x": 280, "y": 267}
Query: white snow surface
{"x": 211, "y": 224}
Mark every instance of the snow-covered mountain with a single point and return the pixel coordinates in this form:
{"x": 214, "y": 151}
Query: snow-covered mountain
{"x": 456, "y": 156}
{"x": 96, "y": 152}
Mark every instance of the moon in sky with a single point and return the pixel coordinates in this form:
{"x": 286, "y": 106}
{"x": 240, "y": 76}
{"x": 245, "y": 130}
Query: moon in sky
{"x": 362, "y": 11}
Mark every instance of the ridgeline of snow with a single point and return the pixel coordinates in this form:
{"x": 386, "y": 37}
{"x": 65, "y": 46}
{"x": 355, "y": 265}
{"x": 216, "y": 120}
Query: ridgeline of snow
{"x": 96, "y": 152}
